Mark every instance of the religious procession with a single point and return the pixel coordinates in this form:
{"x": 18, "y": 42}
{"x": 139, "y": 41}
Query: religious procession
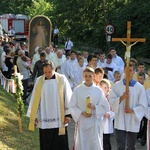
{"x": 78, "y": 100}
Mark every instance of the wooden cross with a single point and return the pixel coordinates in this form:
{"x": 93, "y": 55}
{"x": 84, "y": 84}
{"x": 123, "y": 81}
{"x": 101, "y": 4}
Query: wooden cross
{"x": 128, "y": 45}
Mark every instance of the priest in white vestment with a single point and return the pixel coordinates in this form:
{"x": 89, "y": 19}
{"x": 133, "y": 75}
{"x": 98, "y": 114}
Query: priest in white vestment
{"x": 49, "y": 53}
{"x": 49, "y": 110}
{"x": 58, "y": 60}
{"x": 127, "y": 119}
{"x": 87, "y": 133}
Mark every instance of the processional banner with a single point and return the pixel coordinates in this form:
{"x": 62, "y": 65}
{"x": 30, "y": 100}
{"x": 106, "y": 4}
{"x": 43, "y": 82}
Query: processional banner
{"x": 40, "y": 29}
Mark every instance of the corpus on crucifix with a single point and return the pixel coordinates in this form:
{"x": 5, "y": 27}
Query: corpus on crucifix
{"x": 129, "y": 43}
{"x": 128, "y": 49}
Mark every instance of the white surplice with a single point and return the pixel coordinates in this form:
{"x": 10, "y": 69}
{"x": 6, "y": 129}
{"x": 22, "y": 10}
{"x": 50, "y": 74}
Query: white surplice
{"x": 78, "y": 74}
{"x": 137, "y": 101}
{"x": 88, "y": 136}
{"x": 70, "y": 65}
{"x": 107, "y": 123}
{"x": 58, "y": 61}
{"x": 48, "y": 114}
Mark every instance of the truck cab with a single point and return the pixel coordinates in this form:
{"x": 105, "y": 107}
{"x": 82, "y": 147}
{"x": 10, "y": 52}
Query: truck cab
{"x": 19, "y": 22}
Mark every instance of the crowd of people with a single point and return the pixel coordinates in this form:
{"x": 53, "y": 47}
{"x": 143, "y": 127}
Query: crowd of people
{"x": 62, "y": 79}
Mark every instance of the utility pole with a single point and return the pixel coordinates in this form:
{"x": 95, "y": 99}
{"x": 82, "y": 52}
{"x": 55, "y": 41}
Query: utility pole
{"x": 105, "y": 23}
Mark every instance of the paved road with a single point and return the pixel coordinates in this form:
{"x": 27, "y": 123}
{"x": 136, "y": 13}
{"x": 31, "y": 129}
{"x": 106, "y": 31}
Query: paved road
{"x": 138, "y": 145}
{"x": 113, "y": 142}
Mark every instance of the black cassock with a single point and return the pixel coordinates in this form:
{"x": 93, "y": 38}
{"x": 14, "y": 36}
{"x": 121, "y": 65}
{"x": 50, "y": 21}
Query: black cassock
{"x": 50, "y": 140}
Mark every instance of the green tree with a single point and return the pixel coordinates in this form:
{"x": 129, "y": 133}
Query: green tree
{"x": 14, "y": 6}
{"x": 84, "y": 20}
{"x": 39, "y": 7}
{"x": 140, "y": 25}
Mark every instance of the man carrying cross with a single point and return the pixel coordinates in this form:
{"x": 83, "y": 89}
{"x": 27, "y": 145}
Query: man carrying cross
{"x": 127, "y": 118}
{"x": 128, "y": 40}
{"x": 128, "y": 99}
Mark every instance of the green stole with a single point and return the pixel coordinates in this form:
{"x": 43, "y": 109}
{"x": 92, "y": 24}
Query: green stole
{"x": 37, "y": 98}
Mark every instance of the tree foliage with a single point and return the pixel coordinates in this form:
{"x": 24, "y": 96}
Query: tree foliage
{"x": 39, "y": 7}
{"x": 14, "y": 6}
{"x": 137, "y": 12}
{"x": 84, "y": 21}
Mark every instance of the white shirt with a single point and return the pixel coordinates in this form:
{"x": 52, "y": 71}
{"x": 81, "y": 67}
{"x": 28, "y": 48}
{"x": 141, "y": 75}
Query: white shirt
{"x": 137, "y": 102}
{"x": 68, "y": 45}
{"x": 11, "y": 33}
{"x": 56, "y": 31}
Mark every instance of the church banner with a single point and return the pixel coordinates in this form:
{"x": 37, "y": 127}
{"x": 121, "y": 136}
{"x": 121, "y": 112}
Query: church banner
{"x": 40, "y": 29}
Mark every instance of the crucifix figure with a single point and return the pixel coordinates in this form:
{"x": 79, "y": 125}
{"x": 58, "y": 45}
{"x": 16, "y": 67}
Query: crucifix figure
{"x": 128, "y": 45}
{"x": 128, "y": 49}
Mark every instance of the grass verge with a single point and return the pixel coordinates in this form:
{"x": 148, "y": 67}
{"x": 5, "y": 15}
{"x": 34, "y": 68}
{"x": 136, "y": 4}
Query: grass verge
{"x": 10, "y": 138}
